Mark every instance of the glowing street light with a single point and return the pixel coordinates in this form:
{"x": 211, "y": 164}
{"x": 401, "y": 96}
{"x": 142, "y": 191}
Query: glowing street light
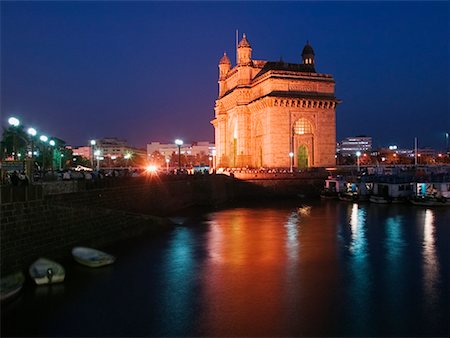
{"x": 93, "y": 142}
{"x": 32, "y": 131}
{"x": 291, "y": 160}
{"x": 43, "y": 138}
{"x": 167, "y": 165}
{"x": 52, "y": 143}
{"x": 358, "y": 154}
{"x": 13, "y": 121}
{"x": 179, "y": 143}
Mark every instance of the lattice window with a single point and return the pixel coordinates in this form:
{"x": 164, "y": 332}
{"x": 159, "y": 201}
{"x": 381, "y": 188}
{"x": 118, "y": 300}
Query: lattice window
{"x": 303, "y": 126}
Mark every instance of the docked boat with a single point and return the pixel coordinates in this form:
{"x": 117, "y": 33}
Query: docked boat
{"x": 333, "y": 186}
{"x": 379, "y": 199}
{"x": 92, "y": 257}
{"x": 46, "y": 271}
{"x": 348, "y": 196}
{"x": 11, "y": 285}
{"x": 430, "y": 201}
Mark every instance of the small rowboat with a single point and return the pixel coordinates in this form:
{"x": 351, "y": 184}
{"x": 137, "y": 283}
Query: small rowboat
{"x": 11, "y": 285}
{"x": 92, "y": 257}
{"x": 46, "y": 271}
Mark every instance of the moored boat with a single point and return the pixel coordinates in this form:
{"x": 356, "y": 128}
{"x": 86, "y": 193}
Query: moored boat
{"x": 430, "y": 201}
{"x": 11, "y": 285}
{"x": 46, "y": 271}
{"x": 92, "y": 257}
{"x": 379, "y": 199}
{"x": 348, "y": 196}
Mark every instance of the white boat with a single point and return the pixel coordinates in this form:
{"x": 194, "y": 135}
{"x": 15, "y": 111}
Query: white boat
{"x": 11, "y": 285}
{"x": 46, "y": 271}
{"x": 92, "y": 257}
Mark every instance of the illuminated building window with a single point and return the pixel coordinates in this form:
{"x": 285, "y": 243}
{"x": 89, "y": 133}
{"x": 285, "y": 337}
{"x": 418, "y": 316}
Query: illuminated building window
{"x": 303, "y": 126}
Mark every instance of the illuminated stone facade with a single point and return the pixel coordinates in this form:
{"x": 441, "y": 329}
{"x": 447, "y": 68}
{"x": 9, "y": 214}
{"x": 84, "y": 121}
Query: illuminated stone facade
{"x": 267, "y": 110}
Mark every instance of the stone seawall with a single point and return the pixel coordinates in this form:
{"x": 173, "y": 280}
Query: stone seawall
{"x": 41, "y": 228}
{"x": 49, "y": 221}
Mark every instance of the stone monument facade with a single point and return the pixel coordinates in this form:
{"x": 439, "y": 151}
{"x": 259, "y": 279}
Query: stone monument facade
{"x": 274, "y": 114}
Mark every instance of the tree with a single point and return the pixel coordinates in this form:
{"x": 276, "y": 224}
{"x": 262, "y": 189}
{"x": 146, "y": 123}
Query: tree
{"x": 14, "y": 140}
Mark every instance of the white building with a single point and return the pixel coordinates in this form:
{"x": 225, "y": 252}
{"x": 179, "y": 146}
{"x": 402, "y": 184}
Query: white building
{"x": 194, "y": 149}
{"x": 350, "y": 145}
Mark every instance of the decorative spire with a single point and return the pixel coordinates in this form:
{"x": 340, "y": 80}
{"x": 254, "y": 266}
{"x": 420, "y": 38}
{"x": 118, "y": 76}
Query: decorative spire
{"x": 224, "y": 59}
{"x": 244, "y": 42}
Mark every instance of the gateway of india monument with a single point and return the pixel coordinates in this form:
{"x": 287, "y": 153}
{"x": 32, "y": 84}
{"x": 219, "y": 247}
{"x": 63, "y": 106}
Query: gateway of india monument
{"x": 271, "y": 113}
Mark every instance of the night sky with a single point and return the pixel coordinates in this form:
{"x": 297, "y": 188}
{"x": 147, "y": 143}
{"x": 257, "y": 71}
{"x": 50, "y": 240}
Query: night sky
{"x": 147, "y": 71}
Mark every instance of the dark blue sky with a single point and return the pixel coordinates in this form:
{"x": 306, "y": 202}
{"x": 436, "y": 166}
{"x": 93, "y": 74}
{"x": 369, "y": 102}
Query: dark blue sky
{"x": 148, "y": 71}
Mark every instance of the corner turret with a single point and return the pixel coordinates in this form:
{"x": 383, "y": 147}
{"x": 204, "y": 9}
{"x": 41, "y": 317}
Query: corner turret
{"x": 244, "y": 52}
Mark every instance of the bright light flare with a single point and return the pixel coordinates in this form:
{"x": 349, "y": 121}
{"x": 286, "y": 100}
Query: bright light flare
{"x": 151, "y": 168}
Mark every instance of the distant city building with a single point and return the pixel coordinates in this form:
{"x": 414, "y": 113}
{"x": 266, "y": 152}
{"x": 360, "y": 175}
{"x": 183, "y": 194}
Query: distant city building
{"x": 112, "y": 147}
{"x": 272, "y": 114}
{"x": 194, "y": 149}
{"x": 351, "y": 145}
{"x": 109, "y": 147}
{"x": 83, "y": 151}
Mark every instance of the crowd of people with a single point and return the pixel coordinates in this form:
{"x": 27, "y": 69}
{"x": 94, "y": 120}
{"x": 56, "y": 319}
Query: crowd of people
{"x": 16, "y": 178}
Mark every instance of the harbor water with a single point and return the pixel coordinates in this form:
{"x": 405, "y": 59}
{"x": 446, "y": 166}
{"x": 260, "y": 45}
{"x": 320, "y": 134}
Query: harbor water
{"x": 335, "y": 269}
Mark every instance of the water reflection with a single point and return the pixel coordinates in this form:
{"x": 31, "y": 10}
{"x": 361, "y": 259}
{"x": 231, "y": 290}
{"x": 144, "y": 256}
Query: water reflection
{"x": 430, "y": 261}
{"x": 241, "y": 279}
{"x": 292, "y": 243}
{"x": 179, "y": 283}
{"x": 360, "y": 286}
{"x": 394, "y": 272}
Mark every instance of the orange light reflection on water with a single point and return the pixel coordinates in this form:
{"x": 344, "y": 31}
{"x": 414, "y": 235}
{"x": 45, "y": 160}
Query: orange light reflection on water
{"x": 249, "y": 267}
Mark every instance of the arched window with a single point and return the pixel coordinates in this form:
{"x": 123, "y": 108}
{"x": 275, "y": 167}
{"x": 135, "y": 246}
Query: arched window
{"x": 303, "y": 126}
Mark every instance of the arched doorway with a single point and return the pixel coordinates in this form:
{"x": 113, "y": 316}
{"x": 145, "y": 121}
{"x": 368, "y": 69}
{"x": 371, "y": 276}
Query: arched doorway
{"x": 302, "y": 157}
{"x": 303, "y": 143}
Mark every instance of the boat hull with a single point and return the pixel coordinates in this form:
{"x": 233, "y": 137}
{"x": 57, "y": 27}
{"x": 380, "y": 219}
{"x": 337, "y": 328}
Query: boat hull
{"x": 91, "y": 257}
{"x": 430, "y": 202}
{"x": 379, "y": 200}
{"x": 46, "y": 271}
{"x": 11, "y": 286}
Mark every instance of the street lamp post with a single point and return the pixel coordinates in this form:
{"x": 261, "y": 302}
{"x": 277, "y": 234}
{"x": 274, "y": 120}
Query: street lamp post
{"x": 358, "y": 154}
{"x": 179, "y": 143}
{"x": 97, "y": 156}
{"x": 93, "y": 142}
{"x": 52, "y": 143}
{"x": 14, "y": 122}
{"x": 32, "y": 132}
{"x": 291, "y": 159}
{"x": 214, "y": 160}
{"x": 44, "y": 140}
{"x": 167, "y": 165}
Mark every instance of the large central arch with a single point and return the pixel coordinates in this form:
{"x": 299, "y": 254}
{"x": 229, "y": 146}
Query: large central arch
{"x": 303, "y": 142}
